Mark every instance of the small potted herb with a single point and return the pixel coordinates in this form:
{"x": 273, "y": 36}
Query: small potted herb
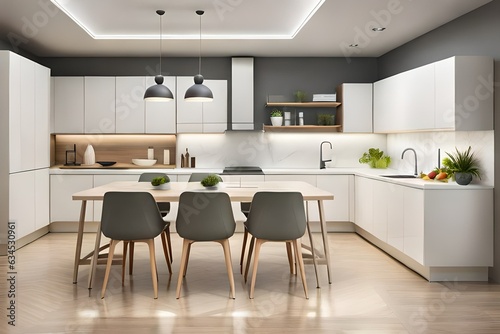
{"x": 211, "y": 181}
{"x": 375, "y": 158}
{"x": 276, "y": 117}
{"x": 161, "y": 182}
{"x": 325, "y": 119}
{"x": 462, "y": 165}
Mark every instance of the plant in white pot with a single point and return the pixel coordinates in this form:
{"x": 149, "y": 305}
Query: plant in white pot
{"x": 161, "y": 182}
{"x": 462, "y": 165}
{"x": 276, "y": 117}
{"x": 211, "y": 181}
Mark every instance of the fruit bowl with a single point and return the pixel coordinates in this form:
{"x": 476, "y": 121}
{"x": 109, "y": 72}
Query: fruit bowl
{"x": 144, "y": 162}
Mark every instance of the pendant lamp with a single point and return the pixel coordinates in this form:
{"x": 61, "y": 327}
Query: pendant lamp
{"x": 159, "y": 92}
{"x": 199, "y": 92}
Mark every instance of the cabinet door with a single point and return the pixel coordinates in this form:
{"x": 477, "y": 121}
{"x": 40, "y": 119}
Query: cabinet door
{"x": 68, "y": 104}
{"x": 14, "y": 128}
{"x": 62, "y": 206}
{"x": 380, "y": 209}
{"x": 42, "y": 117}
{"x": 444, "y": 117}
{"x": 22, "y": 202}
{"x": 340, "y": 186}
{"x": 161, "y": 116}
{"x": 100, "y": 180}
{"x": 395, "y": 216}
{"x": 100, "y": 105}
{"x": 42, "y": 202}
{"x": 363, "y": 204}
{"x": 130, "y": 104}
{"x": 385, "y": 118}
{"x": 215, "y": 112}
{"x": 414, "y": 223}
{"x": 242, "y": 90}
{"x": 357, "y": 108}
{"x": 187, "y": 112}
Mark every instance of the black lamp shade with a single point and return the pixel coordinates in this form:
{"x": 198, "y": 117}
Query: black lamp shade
{"x": 158, "y": 92}
{"x": 198, "y": 92}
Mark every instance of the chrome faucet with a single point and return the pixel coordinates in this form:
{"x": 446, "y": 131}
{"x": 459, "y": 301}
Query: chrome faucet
{"x": 321, "y": 161}
{"x": 415, "y": 154}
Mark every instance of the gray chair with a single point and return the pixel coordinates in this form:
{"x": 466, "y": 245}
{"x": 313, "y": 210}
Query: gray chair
{"x": 197, "y": 177}
{"x": 131, "y": 217}
{"x": 164, "y": 208}
{"x": 276, "y": 216}
{"x": 205, "y": 216}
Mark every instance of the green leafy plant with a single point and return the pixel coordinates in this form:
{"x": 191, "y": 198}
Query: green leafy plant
{"x": 462, "y": 162}
{"x": 157, "y": 181}
{"x": 325, "y": 119}
{"x": 211, "y": 180}
{"x": 276, "y": 113}
{"x": 375, "y": 158}
{"x": 300, "y": 96}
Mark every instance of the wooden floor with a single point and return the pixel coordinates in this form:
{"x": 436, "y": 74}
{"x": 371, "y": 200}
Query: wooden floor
{"x": 370, "y": 293}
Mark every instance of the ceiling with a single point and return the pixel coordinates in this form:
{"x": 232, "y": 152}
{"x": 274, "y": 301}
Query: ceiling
{"x": 260, "y": 28}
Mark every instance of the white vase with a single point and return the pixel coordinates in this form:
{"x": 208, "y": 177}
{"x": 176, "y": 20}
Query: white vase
{"x": 276, "y": 121}
{"x": 89, "y": 156}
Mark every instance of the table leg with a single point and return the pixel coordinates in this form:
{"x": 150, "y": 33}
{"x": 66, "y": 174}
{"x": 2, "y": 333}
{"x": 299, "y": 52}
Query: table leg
{"x": 79, "y": 239}
{"x": 313, "y": 253}
{"x": 325, "y": 238}
{"x": 95, "y": 256}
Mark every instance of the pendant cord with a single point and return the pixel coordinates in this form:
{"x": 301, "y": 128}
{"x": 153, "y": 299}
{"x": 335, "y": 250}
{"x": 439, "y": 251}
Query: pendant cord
{"x": 161, "y": 40}
{"x": 199, "y": 58}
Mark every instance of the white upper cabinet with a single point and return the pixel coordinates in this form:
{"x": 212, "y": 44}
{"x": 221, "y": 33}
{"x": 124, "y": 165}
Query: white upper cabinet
{"x": 206, "y": 117}
{"x": 452, "y": 94}
{"x": 355, "y": 113}
{"x": 68, "y": 104}
{"x": 242, "y": 90}
{"x": 161, "y": 116}
{"x": 130, "y": 104}
{"x": 42, "y": 117}
{"x": 464, "y": 93}
{"x": 100, "y": 105}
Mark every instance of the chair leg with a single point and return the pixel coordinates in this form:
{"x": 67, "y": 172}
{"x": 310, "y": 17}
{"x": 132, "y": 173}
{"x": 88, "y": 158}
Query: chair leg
{"x": 229, "y": 266}
{"x": 298, "y": 253}
{"x": 112, "y": 246}
{"x": 187, "y": 259}
{"x": 131, "y": 258}
{"x": 243, "y": 246}
{"x": 169, "y": 243}
{"x": 249, "y": 258}
{"x": 165, "y": 251}
{"x": 152, "y": 261}
{"x": 184, "y": 257}
{"x": 258, "y": 245}
{"x": 124, "y": 261}
{"x": 291, "y": 261}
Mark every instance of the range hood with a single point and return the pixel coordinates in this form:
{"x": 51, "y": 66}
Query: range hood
{"x": 242, "y": 106}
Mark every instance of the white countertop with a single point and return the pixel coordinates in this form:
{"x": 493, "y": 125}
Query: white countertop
{"x": 362, "y": 172}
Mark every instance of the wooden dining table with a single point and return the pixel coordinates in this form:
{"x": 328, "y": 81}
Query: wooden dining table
{"x": 237, "y": 191}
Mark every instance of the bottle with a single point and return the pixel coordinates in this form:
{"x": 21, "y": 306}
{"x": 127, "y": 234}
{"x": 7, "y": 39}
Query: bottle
{"x": 89, "y": 156}
{"x": 301, "y": 118}
{"x": 186, "y": 159}
{"x": 182, "y": 160}
{"x": 193, "y": 162}
{"x": 151, "y": 153}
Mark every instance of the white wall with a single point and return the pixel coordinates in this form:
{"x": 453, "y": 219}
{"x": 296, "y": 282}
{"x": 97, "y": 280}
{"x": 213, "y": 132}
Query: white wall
{"x": 426, "y": 144}
{"x": 275, "y": 150}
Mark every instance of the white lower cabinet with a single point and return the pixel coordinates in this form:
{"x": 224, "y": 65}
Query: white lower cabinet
{"x": 413, "y": 205}
{"x": 42, "y": 202}
{"x": 62, "y": 207}
{"x": 363, "y": 203}
{"x": 21, "y": 202}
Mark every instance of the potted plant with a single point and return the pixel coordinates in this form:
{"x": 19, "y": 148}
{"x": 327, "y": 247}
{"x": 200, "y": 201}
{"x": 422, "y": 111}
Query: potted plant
{"x": 211, "y": 181}
{"x": 300, "y": 96}
{"x": 375, "y": 158}
{"x": 276, "y": 117}
{"x": 462, "y": 165}
{"x": 325, "y": 119}
{"x": 161, "y": 182}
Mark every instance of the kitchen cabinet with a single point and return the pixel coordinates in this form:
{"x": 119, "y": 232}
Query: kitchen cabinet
{"x": 446, "y": 233}
{"x": 161, "y": 116}
{"x": 205, "y": 117}
{"x": 42, "y": 201}
{"x": 452, "y": 94}
{"x": 355, "y": 112}
{"x": 464, "y": 95}
{"x": 242, "y": 90}
{"x": 42, "y": 117}
{"x": 22, "y": 202}
{"x": 130, "y": 105}
{"x": 69, "y": 103}
{"x": 99, "y": 105}
{"x": 62, "y": 206}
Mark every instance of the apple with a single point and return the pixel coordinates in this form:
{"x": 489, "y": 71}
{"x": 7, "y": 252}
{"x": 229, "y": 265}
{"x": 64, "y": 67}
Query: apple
{"x": 432, "y": 174}
{"x": 441, "y": 176}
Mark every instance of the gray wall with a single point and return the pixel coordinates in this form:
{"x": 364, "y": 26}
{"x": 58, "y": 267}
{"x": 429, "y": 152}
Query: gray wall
{"x": 476, "y": 33}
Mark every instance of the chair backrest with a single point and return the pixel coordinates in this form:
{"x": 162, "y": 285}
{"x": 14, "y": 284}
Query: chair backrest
{"x": 277, "y": 216}
{"x": 197, "y": 177}
{"x": 205, "y": 216}
{"x": 148, "y": 177}
{"x": 130, "y": 216}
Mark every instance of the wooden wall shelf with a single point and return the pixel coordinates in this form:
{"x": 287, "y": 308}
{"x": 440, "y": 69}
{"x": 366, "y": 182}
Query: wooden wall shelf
{"x": 304, "y": 104}
{"x": 303, "y": 128}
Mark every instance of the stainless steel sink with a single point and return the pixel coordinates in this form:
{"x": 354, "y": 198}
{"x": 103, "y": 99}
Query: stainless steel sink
{"x": 400, "y": 176}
